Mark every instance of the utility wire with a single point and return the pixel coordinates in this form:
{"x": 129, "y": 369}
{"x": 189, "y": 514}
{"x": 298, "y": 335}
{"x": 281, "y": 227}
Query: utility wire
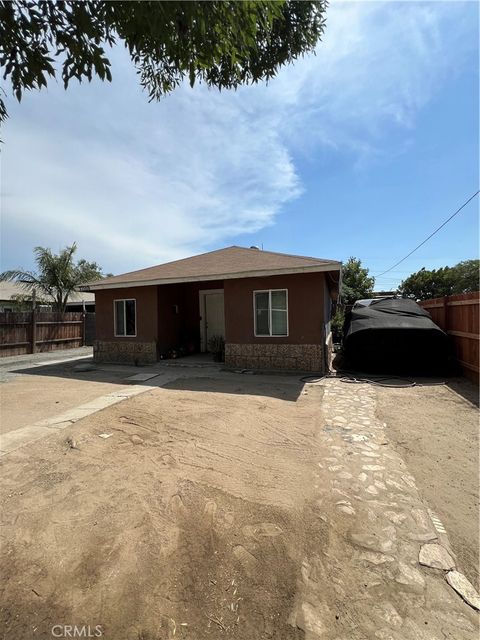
{"x": 431, "y": 235}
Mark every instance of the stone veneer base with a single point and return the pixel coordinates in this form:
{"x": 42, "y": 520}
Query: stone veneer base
{"x": 301, "y": 357}
{"x": 120, "y": 352}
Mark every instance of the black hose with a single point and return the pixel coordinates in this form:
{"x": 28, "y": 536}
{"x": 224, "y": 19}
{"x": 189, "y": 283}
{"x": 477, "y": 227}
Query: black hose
{"x": 350, "y": 377}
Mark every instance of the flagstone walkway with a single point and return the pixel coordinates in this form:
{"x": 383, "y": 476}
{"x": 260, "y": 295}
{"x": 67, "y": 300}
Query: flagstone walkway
{"x": 380, "y": 530}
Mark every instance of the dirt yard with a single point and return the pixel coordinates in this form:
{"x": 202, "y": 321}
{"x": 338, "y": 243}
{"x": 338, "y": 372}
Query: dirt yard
{"x": 136, "y": 531}
{"x": 29, "y": 398}
{"x": 206, "y": 514}
{"x": 436, "y": 431}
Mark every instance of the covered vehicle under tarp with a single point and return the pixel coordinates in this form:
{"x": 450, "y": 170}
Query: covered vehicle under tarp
{"x": 394, "y": 335}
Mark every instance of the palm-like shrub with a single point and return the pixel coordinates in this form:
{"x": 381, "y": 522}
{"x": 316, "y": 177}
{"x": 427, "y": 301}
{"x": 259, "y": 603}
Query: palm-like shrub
{"x": 57, "y": 275}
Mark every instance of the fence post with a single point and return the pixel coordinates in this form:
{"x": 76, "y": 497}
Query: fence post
{"x": 84, "y": 329}
{"x": 444, "y": 314}
{"x": 34, "y": 330}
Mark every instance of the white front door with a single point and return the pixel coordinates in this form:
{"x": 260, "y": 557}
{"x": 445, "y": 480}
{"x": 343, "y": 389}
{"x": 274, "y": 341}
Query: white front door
{"x": 214, "y": 316}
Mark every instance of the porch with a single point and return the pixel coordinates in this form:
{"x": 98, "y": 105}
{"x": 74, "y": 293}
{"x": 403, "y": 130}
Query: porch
{"x": 189, "y": 316}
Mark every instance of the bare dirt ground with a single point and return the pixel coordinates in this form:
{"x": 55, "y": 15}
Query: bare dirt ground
{"x": 436, "y": 432}
{"x": 206, "y": 514}
{"x": 181, "y": 520}
{"x": 29, "y": 398}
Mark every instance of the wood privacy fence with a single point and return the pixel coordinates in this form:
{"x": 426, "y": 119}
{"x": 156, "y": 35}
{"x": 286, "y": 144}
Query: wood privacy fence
{"x": 33, "y": 332}
{"x": 459, "y": 317}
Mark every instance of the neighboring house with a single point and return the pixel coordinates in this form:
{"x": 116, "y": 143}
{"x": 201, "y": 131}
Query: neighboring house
{"x": 78, "y": 300}
{"x": 81, "y": 301}
{"x": 273, "y": 309}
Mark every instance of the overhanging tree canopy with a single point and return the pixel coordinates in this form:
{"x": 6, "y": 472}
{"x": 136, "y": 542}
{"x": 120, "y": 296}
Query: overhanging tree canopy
{"x": 223, "y": 43}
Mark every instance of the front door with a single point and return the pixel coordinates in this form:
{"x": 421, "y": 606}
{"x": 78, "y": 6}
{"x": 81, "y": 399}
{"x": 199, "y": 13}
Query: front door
{"x": 214, "y": 316}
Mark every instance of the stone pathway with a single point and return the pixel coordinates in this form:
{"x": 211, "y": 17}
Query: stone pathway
{"x": 388, "y": 566}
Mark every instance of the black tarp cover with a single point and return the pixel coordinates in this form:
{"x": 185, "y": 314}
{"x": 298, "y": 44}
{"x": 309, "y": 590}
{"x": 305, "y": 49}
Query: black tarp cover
{"x": 394, "y": 335}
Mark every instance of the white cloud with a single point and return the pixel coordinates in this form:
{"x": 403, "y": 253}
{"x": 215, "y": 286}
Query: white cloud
{"x": 379, "y": 64}
{"x": 137, "y": 183}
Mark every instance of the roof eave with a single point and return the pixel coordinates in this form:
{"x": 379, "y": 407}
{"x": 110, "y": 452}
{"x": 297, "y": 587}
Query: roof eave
{"x": 330, "y": 266}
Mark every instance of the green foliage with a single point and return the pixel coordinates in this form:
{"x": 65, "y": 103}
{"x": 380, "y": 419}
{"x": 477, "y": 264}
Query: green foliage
{"x": 356, "y": 283}
{"x": 446, "y": 281}
{"x": 24, "y": 301}
{"x": 223, "y": 43}
{"x": 57, "y": 275}
{"x": 216, "y": 346}
{"x": 337, "y": 325}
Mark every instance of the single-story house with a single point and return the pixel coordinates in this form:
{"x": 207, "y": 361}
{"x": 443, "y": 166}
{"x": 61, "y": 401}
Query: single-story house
{"x": 14, "y": 297}
{"x": 272, "y": 309}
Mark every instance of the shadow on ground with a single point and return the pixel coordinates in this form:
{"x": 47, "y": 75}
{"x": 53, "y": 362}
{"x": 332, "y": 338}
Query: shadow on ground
{"x": 464, "y": 388}
{"x": 274, "y": 386}
{"x": 202, "y": 379}
{"x": 81, "y": 370}
{"x": 458, "y": 384}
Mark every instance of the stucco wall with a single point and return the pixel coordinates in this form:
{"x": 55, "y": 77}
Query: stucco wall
{"x": 305, "y": 308}
{"x": 160, "y": 328}
{"x": 141, "y": 348}
{"x": 302, "y": 349}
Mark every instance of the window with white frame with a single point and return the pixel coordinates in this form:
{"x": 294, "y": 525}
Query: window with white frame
{"x": 125, "y": 320}
{"x": 271, "y": 312}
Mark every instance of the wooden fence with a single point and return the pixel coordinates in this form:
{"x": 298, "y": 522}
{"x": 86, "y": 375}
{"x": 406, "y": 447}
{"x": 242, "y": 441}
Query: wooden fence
{"x": 33, "y": 332}
{"x": 459, "y": 317}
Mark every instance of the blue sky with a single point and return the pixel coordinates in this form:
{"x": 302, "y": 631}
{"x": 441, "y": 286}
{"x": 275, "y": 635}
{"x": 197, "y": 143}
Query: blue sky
{"x": 362, "y": 149}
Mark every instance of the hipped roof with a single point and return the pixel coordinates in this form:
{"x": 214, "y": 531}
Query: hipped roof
{"x": 228, "y": 263}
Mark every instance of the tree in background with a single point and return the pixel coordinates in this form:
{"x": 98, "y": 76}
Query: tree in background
{"x": 24, "y": 302}
{"x": 223, "y": 43}
{"x": 356, "y": 283}
{"x": 57, "y": 275}
{"x": 446, "y": 281}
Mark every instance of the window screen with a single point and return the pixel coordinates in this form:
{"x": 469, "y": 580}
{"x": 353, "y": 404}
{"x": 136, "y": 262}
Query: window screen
{"x": 279, "y": 313}
{"x": 271, "y": 313}
{"x": 262, "y": 313}
{"x": 125, "y": 318}
{"x": 119, "y": 318}
{"x": 130, "y": 328}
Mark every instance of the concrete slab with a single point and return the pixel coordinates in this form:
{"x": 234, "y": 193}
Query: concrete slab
{"x": 131, "y": 391}
{"x": 72, "y": 415}
{"x": 46, "y": 358}
{"x": 29, "y": 398}
{"x": 59, "y": 425}
{"x": 101, "y": 403}
{"x": 44, "y": 363}
{"x": 143, "y": 377}
{"x": 43, "y": 428}
{"x": 15, "y": 439}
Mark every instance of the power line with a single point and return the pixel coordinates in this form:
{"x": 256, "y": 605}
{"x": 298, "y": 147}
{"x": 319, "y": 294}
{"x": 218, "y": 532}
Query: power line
{"x": 431, "y": 235}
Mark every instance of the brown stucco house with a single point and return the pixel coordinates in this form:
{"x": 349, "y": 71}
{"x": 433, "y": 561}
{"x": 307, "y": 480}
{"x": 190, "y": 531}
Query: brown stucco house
{"x": 272, "y": 309}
